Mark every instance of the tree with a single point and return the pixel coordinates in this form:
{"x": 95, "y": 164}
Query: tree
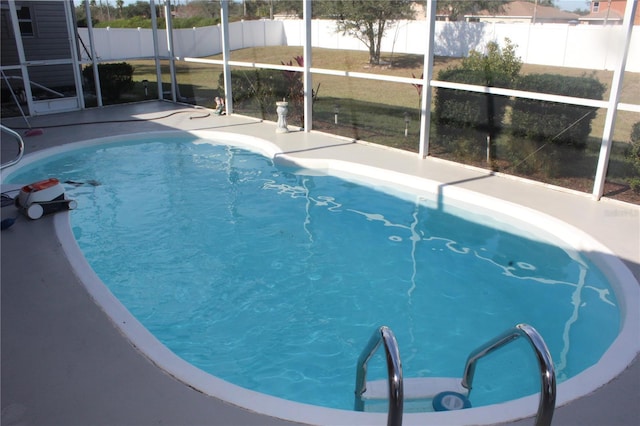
{"x": 457, "y": 9}
{"x": 119, "y": 5}
{"x": 140, "y": 9}
{"x": 288, "y": 6}
{"x": 200, "y": 9}
{"x": 368, "y": 20}
{"x": 481, "y": 112}
{"x": 497, "y": 65}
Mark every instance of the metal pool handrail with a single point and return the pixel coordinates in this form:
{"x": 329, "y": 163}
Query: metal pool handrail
{"x": 20, "y": 147}
{"x": 547, "y": 372}
{"x": 394, "y": 369}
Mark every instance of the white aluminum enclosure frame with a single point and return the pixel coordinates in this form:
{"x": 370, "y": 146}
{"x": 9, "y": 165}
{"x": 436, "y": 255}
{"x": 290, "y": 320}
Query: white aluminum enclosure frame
{"x": 611, "y": 106}
{"x": 49, "y": 106}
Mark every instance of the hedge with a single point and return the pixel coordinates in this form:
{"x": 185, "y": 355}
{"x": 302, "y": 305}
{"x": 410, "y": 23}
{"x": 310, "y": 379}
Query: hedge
{"x": 546, "y": 121}
{"x": 115, "y": 78}
{"x": 469, "y": 110}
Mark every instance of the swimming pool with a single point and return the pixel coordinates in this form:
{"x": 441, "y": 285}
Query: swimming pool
{"x": 419, "y": 210}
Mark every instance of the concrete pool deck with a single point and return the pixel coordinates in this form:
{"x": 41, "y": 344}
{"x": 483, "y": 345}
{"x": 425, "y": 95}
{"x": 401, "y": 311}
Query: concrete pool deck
{"x": 64, "y": 362}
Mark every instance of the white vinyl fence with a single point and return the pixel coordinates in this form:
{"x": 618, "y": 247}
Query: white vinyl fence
{"x": 576, "y": 46}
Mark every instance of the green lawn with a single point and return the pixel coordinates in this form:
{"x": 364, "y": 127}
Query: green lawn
{"x": 375, "y": 111}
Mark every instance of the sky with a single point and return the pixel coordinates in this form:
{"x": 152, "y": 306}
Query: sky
{"x": 572, "y": 5}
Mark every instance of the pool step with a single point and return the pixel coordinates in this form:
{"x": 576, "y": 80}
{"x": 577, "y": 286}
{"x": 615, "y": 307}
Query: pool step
{"x": 418, "y": 393}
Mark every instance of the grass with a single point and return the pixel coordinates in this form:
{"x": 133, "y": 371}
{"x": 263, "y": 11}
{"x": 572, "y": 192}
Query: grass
{"x": 407, "y": 65}
{"x": 201, "y": 80}
{"x": 374, "y": 111}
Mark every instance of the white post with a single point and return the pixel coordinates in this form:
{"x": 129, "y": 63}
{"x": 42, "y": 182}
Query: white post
{"x": 406, "y": 124}
{"x": 224, "y": 20}
{"x": 425, "y": 101}
{"x": 72, "y": 33}
{"x": 92, "y": 49}
{"x": 488, "y": 149}
{"x": 308, "y": 83}
{"x": 172, "y": 65}
{"x": 614, "y": 97}
{"x": 156, "y": 49}
{"x": 21, "y": 57}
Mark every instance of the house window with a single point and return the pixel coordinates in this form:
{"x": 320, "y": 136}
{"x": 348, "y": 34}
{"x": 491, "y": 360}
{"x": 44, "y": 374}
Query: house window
{"x": 596, "y": 6}
{"x": 24, "y": 20}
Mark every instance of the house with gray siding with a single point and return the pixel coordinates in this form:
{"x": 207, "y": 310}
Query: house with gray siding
{"x": 43, "y": 53}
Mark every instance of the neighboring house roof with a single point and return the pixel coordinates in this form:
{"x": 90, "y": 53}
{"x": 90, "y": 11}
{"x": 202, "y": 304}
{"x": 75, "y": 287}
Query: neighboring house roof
{"x": 609, "y": 12}
{"x": 286, "y": 15}
{"x": 523, "y": 9}
{"x": 603, "y": 15}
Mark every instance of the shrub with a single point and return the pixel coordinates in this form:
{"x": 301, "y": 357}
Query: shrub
{"x": 547, "y": 121}
{"x": 473, "y": 116}
{"x": 268, "y": 86}
{"x": 461, "y": 146}
{"x": 295, "y": 87}
{"x": 526, "y": 157}
{"x": 142, "y": 22}
{"x": 633, "y": 156}
{"x": 115, "y": 78}
{"x": 499, "y": 66}
{"x": 635, "y": 133}
{"x": 459, "y": 108}
{"x": 263, "y": 86}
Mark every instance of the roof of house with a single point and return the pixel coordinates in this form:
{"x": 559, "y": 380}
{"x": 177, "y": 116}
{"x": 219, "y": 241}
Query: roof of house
{"x": 609, "y": 15}
{"x": 519, "y": 9}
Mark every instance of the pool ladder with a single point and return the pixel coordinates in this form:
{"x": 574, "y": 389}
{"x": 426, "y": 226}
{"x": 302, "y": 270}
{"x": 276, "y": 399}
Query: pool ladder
{"x": 20, "y": 147}
{"x": 384, "y": 336}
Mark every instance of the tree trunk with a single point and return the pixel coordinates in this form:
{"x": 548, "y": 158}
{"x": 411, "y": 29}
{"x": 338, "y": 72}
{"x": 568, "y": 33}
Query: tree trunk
{"x": 378, "y": 40}
{"x": 374, "y": 57}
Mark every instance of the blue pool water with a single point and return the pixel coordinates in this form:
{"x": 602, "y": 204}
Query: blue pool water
{"x": 274, "y": 279}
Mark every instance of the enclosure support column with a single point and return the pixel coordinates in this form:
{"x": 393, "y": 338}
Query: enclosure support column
{"x": 614, "y": 97}
{"x": 224, "y": 20}
{"x": 425, "y": 100}
{"x": 76, "y": 64}
{"x": 156, "y": 50}
{"x": 21, "y": 58}
{"x": 172, "y": 65}
{"x": 308, "y": 83}
{"x": 92, "y": 50}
